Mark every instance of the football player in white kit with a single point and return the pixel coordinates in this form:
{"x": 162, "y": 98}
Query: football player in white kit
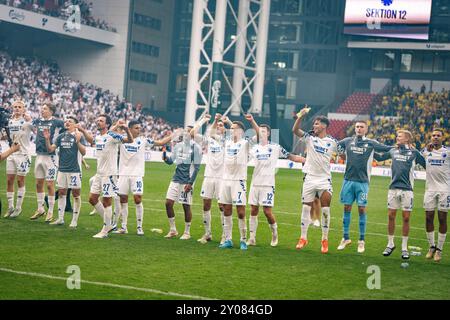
{"x": 18, "y": 165}
{"x": 320, "y": 148}
{"x": 437, "y": 191}
{"x": 106, "y": 144}
{"x": 234, "y": 186}
{"x": 131, "y": 173}
{"x": 262, "y": 189}
{"x": 214, "y": 140}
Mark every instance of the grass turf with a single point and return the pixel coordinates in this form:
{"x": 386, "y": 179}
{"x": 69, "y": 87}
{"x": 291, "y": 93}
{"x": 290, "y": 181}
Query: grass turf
{"x": 193, "y": 270}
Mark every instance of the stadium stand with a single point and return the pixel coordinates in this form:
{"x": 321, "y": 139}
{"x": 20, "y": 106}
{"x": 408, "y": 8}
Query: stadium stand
{"x": 36, "y": 81}
{"x": 418, "y": 112}
{"x": 60, "y": 9}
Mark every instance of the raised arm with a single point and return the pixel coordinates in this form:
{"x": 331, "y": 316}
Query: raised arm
{"x": 50, "y": 147}
{"x": 81, "y": 147}
{"x": 253, "y": 123}
{"x": 296, "y": 128}
{"x": 199, "y": 124}
{"x": 421, "y": 160}
{"x": 379, "y": 147}
{"x": 89, "y": 138}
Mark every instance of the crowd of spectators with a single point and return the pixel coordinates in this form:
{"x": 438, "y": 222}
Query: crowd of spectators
{"x": 418, "y": 112}
{"x": 35, "y": 82}
{"x": 61, "y": 9}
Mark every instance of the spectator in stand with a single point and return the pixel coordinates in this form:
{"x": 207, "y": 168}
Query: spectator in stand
{"x": 416, "y": 112}
{"x": 61, "y": 9}
{"x": 35, "y": 81}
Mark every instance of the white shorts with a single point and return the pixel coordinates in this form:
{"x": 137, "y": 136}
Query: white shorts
{"x": 400, "y": 199}
{"x": 233, "y": 192}
{"x": 313, "y": 185}
{"x": 211, "y": 188}
{"x": 46, "y": 167}
{"x": 436, "y": 200}
{"x": 261, "y": 196}
{"x": 130, "y": 184}
{"x": 106, "y": 186}
{"x": 176, "y": 193}
{"x": 69, "y": 180}
{"x": 18, "y": 164}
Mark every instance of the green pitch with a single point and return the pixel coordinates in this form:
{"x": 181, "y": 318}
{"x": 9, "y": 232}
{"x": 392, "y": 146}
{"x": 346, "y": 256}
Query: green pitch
{"x": 34, "y": 256}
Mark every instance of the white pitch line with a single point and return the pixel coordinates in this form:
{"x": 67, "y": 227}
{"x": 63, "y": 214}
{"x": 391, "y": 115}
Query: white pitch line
{"x": 294, "y": 225}
{"x": 110, "y": 285}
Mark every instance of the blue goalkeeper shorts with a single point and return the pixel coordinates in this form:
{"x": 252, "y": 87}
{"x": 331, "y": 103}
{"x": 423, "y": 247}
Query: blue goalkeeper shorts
{"x": 354, "y": 191}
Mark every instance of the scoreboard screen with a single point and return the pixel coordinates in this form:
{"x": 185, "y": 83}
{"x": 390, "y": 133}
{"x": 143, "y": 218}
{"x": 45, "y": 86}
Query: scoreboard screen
{"x": 407, "y": 19}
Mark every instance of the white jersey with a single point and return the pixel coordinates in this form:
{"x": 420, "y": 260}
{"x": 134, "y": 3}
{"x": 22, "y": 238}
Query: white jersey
{"x": 214, "y": 157}
{"x": 236, "y": 159}
{"x": 132, "y": 157}
{"x": 318, "y": 155}
{"x": 266, "y": 158}
{"x": 438, "y": 170}
{"x": 21, "y": 131}
{"x": 107, "y": 149}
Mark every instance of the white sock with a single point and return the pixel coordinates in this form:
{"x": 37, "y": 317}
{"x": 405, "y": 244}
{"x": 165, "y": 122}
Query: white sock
{"x": 391, "y": 241}
{"x": 116, "y": 210}
{"x": 20, "y": 197}
{"x": 139, "y": 214}
{"x": 404, "y": 243}
{"x": 243, "y": 229}
{"x": 51, "y": 203}
{"x": 172, "y": 224}
{"x": 430, "y": 237}
{"x": 274, "y": 229}
{"x": 325, "y": 222}
{"x": 207, "y": 221}
{"x": 187, "y": 227}
{"x": 107, "y": 218}
{"x": 306, "y": 220}
{"x": 124, "y": 213}
{"x": 10, "y": 197}
{"x": 61, "y": 206}
{"x": 40, "y": 201}
{"x": 441, "y": 240}
{"x": 253, "y": 226}
{"x": 76, "y": 209}
{"x": 100, "y": 209}
{"x": 228, "y": 227}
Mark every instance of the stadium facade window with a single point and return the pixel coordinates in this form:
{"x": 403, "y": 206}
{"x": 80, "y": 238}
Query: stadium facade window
{"x": 284, "y": 32}
{"x": 142, "y": 76}
{"x": 181, "y": 83}
{"x": 282, "y": 60}
{"x": 286, "y": 6}
{"x": 147, "y": 21}
{"x": 406, "y": 60}
{"x": 320, "y": 60}
{"x": 320, "y": 32}
{"x": 183, "y": 56}
{"x": 185, "y": 29}
{"x": 383, "y": 61}
{"x": 145, "y": 49}
{"x": 317, "y": 8}
{"x": 186, "y": 6}
{"x": 281, "y": 87}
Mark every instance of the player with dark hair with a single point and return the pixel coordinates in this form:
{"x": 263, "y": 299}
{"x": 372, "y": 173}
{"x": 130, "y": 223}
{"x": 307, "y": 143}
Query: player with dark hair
{"x": 104, "y": 183}
{"x": 46, "y": 163}
{"x": 187, "y": 156}
{"x": 70, "y": 144}
{"x": 320, "y": 148}
{"x": 437, "y": 191}
{"x": 131, "y": 173}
